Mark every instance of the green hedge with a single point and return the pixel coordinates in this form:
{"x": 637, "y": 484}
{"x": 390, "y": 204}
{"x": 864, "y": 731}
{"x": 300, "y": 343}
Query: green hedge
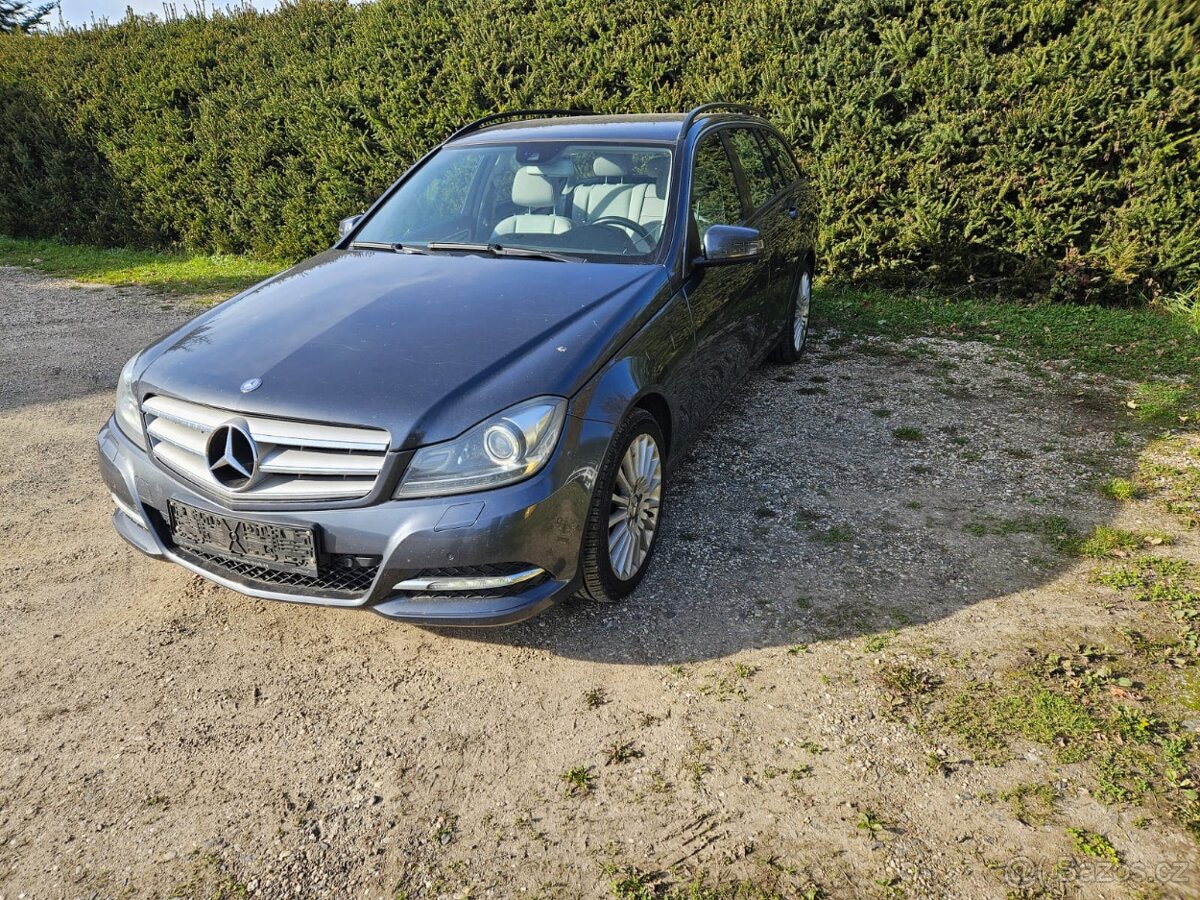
{"x": 1025, "y": 146}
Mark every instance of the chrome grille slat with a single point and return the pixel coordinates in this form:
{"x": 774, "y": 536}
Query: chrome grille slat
{"x": 300, "y": 460}
{"x": 183, "y": 436}
{"x": 306, "y": 462}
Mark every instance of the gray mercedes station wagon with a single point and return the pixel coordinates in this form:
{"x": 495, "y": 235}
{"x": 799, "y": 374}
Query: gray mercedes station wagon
{"x": 465, "y": 410}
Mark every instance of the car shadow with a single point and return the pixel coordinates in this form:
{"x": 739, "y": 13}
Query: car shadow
{"x": 870, "y": 487}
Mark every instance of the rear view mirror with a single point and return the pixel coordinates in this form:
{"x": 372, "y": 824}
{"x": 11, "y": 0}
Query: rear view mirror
{"x": 347, "y": 225}
{"x": 728, "y": 244}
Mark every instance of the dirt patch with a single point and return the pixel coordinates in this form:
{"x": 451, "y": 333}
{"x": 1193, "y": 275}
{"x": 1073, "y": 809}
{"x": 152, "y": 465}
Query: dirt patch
{"x": 853, "y": 537}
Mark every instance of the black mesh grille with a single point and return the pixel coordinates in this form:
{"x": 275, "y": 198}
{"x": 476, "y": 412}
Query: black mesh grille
{"x": 484, "y": 571}
{"x": 336, "y": 582}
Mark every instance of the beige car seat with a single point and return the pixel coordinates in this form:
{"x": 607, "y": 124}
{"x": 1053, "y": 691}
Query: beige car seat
{"x": 642, "y": 203}
{"x": 535, "y": 188}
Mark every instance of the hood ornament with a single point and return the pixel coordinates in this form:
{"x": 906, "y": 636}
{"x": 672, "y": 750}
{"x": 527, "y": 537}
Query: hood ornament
{"x": 251, "y": 384}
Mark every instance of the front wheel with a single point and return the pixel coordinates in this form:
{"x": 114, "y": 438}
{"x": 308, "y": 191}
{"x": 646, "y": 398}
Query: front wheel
{"x": 795, "y": 330}
{"x": 626, "y": 512}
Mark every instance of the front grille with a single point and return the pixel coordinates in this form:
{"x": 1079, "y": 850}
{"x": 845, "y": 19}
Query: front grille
{"x": 296, "y": 460}
{"x": 474, "y": 571}
{"x": 341, "y": 582}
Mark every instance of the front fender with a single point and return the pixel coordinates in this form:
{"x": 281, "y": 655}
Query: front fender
{"x": 651, "y": 368}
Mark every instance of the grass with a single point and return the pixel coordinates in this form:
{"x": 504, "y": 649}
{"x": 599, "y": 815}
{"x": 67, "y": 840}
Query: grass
{"x": 1132, "y": 343}
{"x": 1120, "y": 489}
{"x": 1118, "y": 709}
{"x": 1054, "y": 530}
{"x": 1164, "y": 404}
{"x": 1106, "y": 541}
{"x": 908, "y": 434}
{"x": 179, "y": 273}
{"x": 985, "y": 719}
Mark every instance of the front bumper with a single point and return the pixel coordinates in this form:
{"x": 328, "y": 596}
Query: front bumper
{"x": 538, "y": 522}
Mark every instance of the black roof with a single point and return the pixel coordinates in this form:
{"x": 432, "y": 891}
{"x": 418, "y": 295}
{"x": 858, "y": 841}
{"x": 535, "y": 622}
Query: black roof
{"x": 650, "y": 127}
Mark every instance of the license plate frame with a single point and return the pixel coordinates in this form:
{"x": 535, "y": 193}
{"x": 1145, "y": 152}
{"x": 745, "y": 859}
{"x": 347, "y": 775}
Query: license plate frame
{"x": 287, "y": 548}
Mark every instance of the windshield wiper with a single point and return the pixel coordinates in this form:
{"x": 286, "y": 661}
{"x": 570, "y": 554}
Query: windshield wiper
{"x": 501, "y": 250}
{"x": 384, "y": 245}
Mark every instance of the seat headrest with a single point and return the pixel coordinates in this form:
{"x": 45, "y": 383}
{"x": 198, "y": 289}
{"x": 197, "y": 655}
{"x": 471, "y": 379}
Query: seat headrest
{"x": 611, "y": 166}
{"x": 532, "y": 189}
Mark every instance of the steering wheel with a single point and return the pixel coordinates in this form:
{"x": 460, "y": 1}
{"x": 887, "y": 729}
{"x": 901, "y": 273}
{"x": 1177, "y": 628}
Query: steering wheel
{"x": 637, "y": 228}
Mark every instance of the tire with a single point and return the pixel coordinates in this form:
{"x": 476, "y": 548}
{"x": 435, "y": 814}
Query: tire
{"x": 603, "y": 579}
{"x": 792, "y": 341}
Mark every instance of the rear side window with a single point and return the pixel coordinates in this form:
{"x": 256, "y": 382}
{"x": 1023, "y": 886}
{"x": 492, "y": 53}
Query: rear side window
{"x": 715, "y": 198}
{"x": 785, "y": 166}
{"x": 757, "y": 166}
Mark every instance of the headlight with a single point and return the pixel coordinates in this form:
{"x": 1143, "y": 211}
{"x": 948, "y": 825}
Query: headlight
{"x": 508, "y": 447}
{"x": 128, "y": 416}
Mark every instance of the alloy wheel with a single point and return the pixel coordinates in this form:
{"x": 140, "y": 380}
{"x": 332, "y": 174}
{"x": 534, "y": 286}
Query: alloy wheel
{"x": 803, "y": 304}
{"x": 633, "y": 515}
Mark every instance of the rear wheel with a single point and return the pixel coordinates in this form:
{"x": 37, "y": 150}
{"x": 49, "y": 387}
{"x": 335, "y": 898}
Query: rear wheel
{"x": 795, "y": 330}
{"x": 626, "y": 512}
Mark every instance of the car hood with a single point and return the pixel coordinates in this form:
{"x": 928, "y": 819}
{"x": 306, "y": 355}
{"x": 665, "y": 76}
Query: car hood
{"x": 424, "y": 346}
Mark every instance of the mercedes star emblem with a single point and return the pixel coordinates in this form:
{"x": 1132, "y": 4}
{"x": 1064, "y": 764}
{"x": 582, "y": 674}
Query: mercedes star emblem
{"x": 232, "y": 456}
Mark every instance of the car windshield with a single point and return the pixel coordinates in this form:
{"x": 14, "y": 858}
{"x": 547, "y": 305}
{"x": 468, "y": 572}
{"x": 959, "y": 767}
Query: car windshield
{"x": 573, "y": 201}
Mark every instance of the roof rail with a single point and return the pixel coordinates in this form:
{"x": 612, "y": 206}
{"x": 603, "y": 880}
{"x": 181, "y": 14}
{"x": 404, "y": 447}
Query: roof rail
{"x": 516, "y": 113}
{"x": 691, "y": 117}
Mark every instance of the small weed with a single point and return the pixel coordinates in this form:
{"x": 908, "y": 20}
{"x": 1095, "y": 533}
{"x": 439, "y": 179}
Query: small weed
{"x": 728, "y": 685}
{"x": 908, "y": 433}
{"x": 594, "y": 698}
{"x": 797, "y": 649}
{"x": 834, "y": 534}
{"x": 621, "y": 753}
{"x": 444, "y": 827}
{"x": 1089, "y": 843}
{"x": 876, "y": 643}
{"x": 634, "y": 884}
{"x": 578, "y": 781}
{"x": 1119, "y": 489}
{"x": 904, "y": 683}
{"x": 881, "y": 413}
{"x": 743, "y": 670}
{"x": 1032, "y": 804}
{"x": 871, "y": 823}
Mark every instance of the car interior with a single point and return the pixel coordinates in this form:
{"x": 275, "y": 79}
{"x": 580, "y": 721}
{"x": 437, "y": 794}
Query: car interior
{"x": 553, "y": 200}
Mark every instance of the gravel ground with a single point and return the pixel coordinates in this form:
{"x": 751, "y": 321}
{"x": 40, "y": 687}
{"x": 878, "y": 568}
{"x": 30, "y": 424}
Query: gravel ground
{"x": 161, "y": 735}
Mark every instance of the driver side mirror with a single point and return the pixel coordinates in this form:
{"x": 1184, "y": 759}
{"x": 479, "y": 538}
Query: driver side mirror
{"x": 729, "y": 244}
{"x": 347, "y": 225}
